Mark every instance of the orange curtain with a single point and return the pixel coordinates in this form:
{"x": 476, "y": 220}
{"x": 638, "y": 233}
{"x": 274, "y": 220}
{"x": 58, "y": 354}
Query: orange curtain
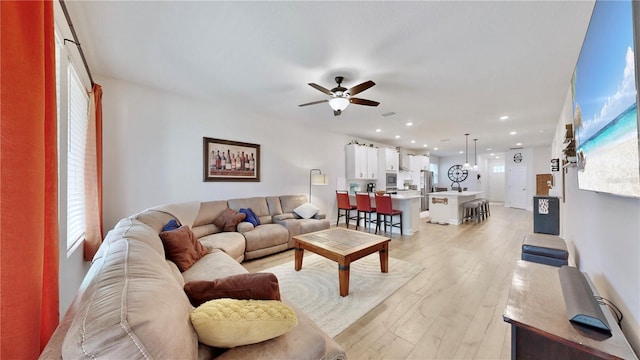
{"x": 29, "y": 252}
{"x": 93, "y": 175}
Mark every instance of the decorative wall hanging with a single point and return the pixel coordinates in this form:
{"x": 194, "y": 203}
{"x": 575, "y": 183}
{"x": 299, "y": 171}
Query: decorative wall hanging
{"x": 225, "y": 160}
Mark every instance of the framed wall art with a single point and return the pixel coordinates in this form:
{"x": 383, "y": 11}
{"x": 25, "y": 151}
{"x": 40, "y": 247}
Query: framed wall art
{"x": 225, "y": 160}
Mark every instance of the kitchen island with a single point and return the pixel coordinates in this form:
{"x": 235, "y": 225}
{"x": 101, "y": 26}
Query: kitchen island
{"x": 445, "y": 207}
{"x": 406, "y": 201}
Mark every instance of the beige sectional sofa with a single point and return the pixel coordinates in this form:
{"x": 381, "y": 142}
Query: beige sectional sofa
{"x": 132, "y": 305}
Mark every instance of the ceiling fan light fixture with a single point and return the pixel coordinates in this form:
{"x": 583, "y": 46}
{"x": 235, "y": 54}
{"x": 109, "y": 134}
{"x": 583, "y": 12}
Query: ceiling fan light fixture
{"x": 339, "y": 103}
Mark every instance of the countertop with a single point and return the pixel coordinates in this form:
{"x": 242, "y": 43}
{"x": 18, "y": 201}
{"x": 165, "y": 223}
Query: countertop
{"x": 455, "y": 193}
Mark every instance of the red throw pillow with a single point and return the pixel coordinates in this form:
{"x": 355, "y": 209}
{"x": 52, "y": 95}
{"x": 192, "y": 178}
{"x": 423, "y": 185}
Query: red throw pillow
{"x": 258, "y": 286}
{"x": 229, "y": 219}
{"x": 182, "y": 247}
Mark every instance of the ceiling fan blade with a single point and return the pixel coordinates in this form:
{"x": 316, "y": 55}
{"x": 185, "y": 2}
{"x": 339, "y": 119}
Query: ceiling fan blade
{"x": 337, "y": 112}
{"x": 360, "y": 88}
{"x": 321, "y": 89}
{"x": 363, "y": 102}
{"x": 314, "y": 102}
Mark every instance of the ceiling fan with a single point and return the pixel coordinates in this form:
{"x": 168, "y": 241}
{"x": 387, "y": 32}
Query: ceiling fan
{"x": 341, "y": 97}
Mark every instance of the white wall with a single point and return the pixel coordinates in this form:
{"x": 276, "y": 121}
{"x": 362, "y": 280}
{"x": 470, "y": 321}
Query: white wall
{"x": 446, "y": 162}
{"x": 603, "y": 234}
{"x": 153, "y": 151}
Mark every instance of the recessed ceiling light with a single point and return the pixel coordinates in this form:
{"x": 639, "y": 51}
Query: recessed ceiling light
{"x": 409, "y": 123}
{"x": 518, "y": 144}
{"x": 425, "y": 145}
{"x": 505, "y": 117}
{"x": 397, "y": 136}
{"x": 513, "y": 133}
{"x": 435, "y": 148}
{"x": 497, "y": 157}
{"x": 413, "y": 141}
{"x": 461, "y": 152}
{"x": 489, "y": 149}
{"x": 491, "y": 154}
{"x": 378, "y": 130}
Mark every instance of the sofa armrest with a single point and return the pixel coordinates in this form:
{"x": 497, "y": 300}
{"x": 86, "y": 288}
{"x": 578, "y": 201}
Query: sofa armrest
{"x": 319, "y": 216}
{"x": 244, "y": 226}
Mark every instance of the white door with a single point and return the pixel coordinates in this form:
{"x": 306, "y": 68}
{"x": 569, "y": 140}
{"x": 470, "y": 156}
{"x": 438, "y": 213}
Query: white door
{"x": 517, "y": 187}
{"x": 496, "y": 180}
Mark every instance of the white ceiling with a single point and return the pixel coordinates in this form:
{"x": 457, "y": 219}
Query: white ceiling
{"x": 449, "y": 67}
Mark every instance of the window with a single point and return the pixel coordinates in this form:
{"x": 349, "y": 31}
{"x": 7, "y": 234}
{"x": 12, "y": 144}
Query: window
{"x": 77, "y": 105}
{"x": 434, "y": 168}
{"x": 73, "y": 106}
{"x": 498, "y": 168}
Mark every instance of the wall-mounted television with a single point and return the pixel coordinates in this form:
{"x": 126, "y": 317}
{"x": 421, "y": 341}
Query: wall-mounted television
{"x": 604, "y": 102}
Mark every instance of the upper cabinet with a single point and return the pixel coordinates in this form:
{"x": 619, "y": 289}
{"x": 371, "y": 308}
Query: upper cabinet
{"x": 388, "y": 159}
{"x": 361, "y": 162}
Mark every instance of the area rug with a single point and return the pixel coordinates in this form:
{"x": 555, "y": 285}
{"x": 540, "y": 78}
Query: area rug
{"x": 315, "y": 289}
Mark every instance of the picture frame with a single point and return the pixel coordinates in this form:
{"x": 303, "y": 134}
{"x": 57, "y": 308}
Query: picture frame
{"x": 226, "y": 160}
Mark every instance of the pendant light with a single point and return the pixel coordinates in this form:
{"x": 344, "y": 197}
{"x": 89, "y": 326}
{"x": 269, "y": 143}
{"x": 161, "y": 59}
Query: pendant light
{"x": 466, "y": 152}
{"x": 475, "y": 154}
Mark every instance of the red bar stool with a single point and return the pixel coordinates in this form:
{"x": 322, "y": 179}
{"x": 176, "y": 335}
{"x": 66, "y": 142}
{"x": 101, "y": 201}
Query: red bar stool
{"x": 363, "y": 204}
{"x": 384, "y": 208}
{"x": 345, "y": 206}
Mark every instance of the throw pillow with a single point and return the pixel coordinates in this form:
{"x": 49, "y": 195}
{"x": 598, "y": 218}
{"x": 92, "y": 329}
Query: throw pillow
{"x": 182, "y": 247}
{"x": 171, "y": 225}
{"x": 306, "y": 211}
{"x": 229, "y": 219}
{"x": 228, "y": 323}
{"x": 257, "y": 286}
{"x": 251, "y": 216}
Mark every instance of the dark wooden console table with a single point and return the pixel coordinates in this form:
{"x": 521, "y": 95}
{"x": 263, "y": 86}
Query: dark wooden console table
{"x": 539, "y": 325}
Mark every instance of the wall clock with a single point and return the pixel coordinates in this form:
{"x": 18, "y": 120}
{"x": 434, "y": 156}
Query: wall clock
{"x": 517, "y": 158}
{"x": 457, "y": 173}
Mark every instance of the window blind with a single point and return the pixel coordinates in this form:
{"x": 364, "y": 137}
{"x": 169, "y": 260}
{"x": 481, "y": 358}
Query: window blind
{"x": 77, "y": 132}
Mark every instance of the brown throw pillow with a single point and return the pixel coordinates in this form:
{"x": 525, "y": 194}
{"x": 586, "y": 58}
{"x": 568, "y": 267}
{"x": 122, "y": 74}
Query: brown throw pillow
{"x": 258, "y": 286}
{"x": 229, "y": 219}
{"x": 182, "y": 247}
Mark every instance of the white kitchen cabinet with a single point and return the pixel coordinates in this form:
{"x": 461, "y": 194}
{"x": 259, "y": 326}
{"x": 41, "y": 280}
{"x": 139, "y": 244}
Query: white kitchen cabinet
{"x": 387, "y": 160}
{"x": 424, "y": 162}
{"x": 361, "y": 162}
{"x": 372, "y": 163}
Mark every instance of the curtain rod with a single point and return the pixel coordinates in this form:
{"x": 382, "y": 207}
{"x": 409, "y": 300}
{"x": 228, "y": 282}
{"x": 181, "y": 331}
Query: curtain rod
{"x": 75, "y": 40}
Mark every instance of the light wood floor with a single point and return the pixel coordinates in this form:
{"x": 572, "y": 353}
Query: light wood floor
{"x": 453, "y": 309}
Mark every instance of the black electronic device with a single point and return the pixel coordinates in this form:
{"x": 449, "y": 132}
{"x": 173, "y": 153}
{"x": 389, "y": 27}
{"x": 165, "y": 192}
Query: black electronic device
{"x": 582, "y": 306}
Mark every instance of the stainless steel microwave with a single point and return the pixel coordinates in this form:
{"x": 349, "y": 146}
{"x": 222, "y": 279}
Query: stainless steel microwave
{"x": 392, "y": 179}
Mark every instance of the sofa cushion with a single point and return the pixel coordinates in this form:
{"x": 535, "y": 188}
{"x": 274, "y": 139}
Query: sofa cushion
{"x": 257, "y": 286}
{"x": 251, "y": 216}
{"x": 229, "y": 323}
{"x": 306, "y": 210}
{"x": 266, "y": 236}
{"x": 209, "y": 211}
{"x": 232, "y": 243}
{"x": 290, "y": 202}
{"x": 213, "y": 266}
{"x": 182, "y": 247}
{"x": 229, "y": 219}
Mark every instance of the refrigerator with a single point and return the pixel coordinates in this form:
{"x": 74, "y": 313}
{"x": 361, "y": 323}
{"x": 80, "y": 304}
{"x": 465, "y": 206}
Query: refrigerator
{"x": 426, "y": 186}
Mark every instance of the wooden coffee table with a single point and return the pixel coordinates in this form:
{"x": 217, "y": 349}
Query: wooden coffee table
{"x": 342, "y": 246}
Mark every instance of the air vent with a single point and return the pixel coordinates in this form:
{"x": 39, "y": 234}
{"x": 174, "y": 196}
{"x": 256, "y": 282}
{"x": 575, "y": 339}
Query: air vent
{"x": 445, "y": 140}
{"x": 390, "y": 113}
{"x": 516, "y": 148}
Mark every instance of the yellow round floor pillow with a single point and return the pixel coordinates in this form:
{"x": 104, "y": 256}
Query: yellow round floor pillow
{"x": 228, "y": 323}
